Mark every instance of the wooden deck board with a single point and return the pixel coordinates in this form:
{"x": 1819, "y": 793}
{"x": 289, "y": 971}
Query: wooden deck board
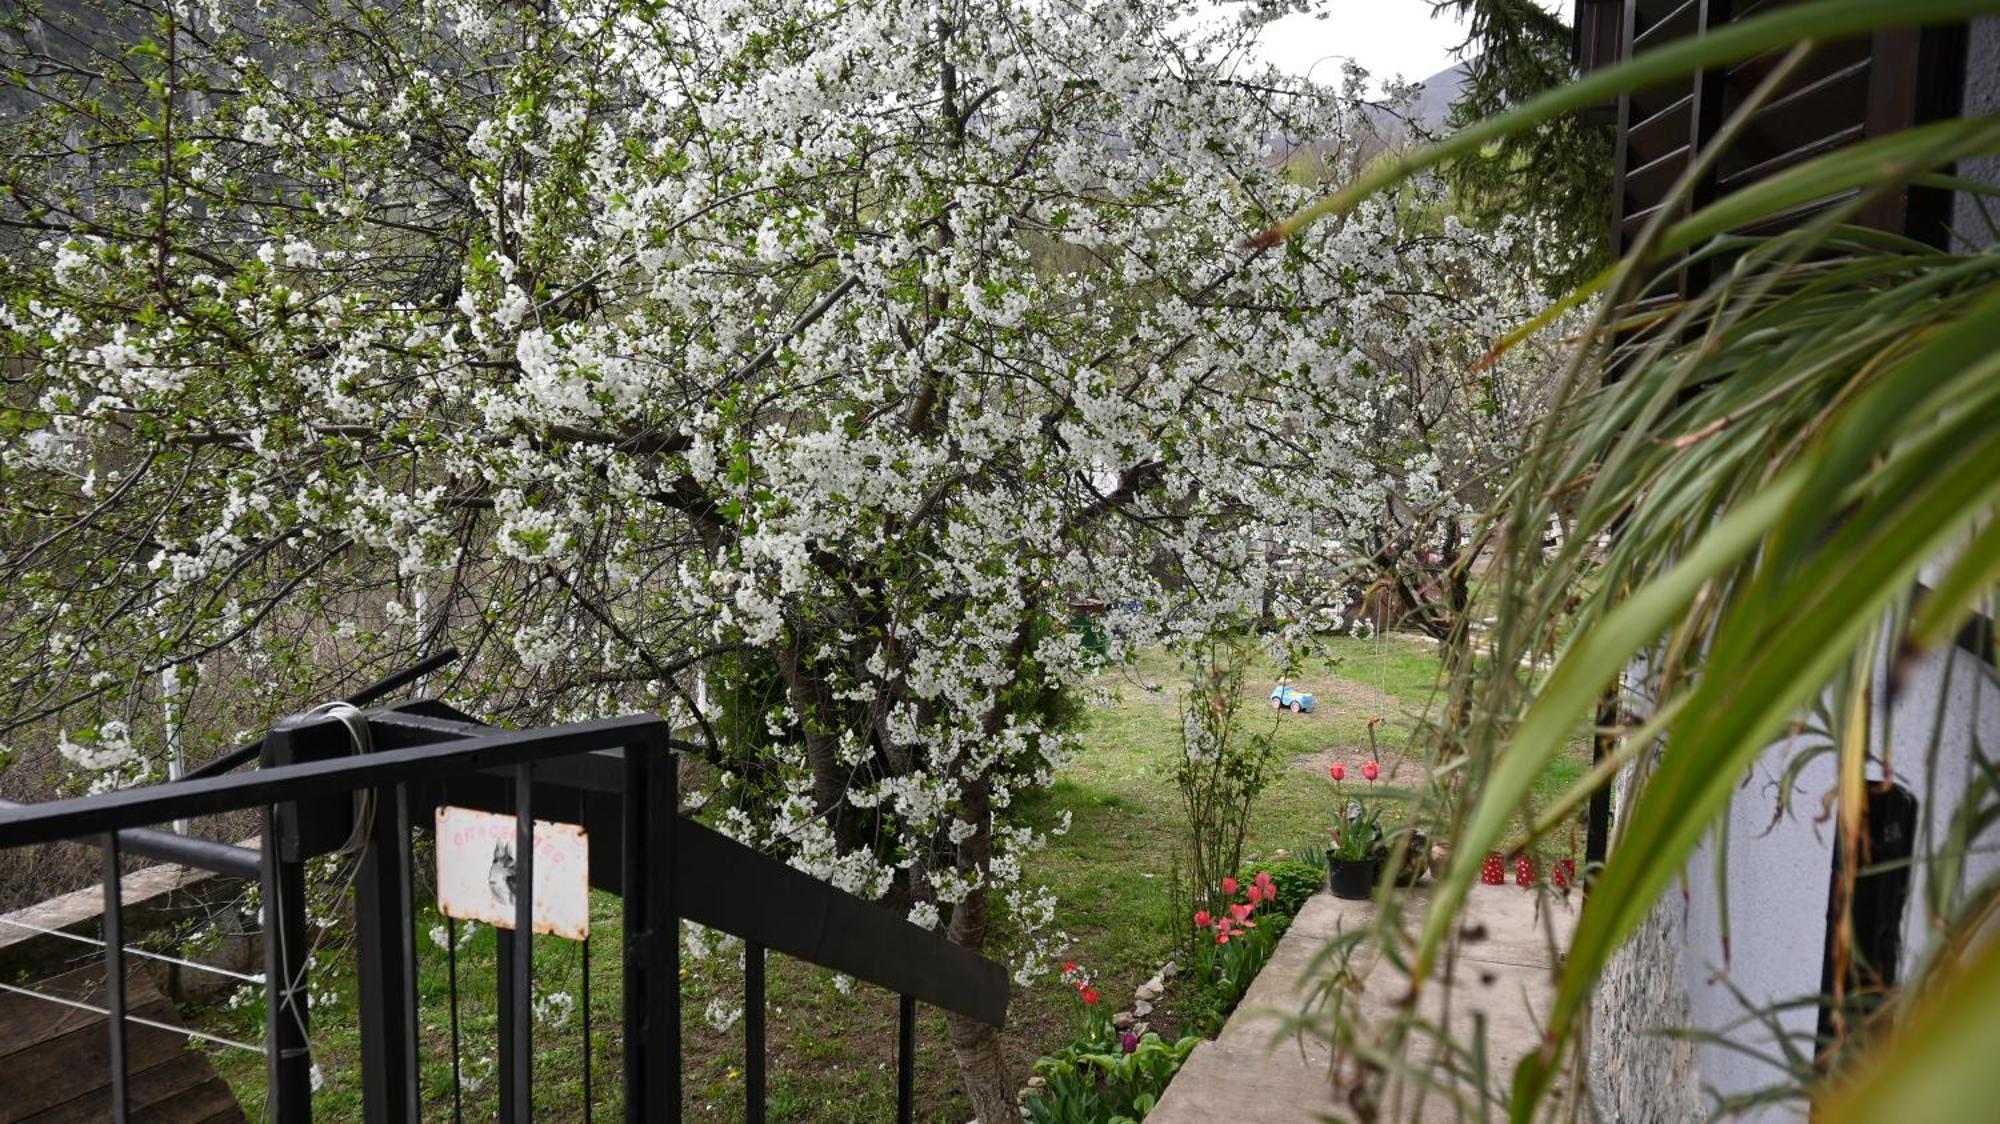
{"x": 55, "y": 1060}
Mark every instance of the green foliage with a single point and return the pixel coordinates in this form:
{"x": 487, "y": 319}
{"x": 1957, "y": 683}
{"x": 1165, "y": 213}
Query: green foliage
{"x": 1220, "y": 973}
{"x": 1558, "y": 171}
{"x": 1222, "y": 770}
{"x": 1357, "y": 828}
{"x": 1296, "y": 880}
{"x": 1748, "y": 506}
{"x": 1090, "y": 1082}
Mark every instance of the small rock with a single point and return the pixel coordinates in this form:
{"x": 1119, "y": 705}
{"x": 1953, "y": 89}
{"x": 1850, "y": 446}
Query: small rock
{"x": 1167, "y": 971}
{"x": 1140, "y": 1028}
{"x": 1036, "y": 1082}
{"x": 1141, "y": 1009}
{"x": 1122, "y": 1020}
{"x": 1150, "y": 990}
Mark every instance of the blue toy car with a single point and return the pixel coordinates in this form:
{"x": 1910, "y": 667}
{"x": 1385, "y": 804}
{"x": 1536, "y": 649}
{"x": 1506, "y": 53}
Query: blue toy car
{"x": 1284, "y": 698}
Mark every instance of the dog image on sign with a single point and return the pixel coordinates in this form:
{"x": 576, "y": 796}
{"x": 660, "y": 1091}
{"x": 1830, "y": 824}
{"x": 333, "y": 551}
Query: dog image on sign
{"x": 478, "y": 872}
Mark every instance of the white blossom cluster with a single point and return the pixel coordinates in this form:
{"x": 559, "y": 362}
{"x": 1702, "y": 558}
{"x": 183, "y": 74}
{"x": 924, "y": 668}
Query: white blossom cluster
{"x": 819, "y": 355}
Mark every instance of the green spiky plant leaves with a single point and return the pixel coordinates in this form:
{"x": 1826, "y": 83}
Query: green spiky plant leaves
{"x": 1746, "y": 508}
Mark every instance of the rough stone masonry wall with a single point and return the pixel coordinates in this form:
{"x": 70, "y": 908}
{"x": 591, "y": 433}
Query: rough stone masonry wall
{"x": 1637, "y": 1076}
{"x": 1982, "y": 95}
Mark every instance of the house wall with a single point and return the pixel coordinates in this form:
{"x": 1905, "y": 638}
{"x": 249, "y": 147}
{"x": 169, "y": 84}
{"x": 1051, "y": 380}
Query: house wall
{"x": 1982, "y": 95}
{"x": 1714, "y": 961}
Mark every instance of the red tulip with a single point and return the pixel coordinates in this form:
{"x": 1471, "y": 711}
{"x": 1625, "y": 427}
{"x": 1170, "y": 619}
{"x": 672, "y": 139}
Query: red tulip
{"x": 1339, "y": 772}
{"x": 1229, "y": 885}
{"x": 1263, "y": 882}
{"x": 1370, "y": 771}
{"x": 1068, "y": 967}
{"x": 1201, "y": 919}
{"x": 1090, "y": 996}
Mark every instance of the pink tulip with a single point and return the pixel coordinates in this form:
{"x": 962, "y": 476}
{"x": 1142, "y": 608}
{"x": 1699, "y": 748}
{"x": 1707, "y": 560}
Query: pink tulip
{"x": 1263, "y": 882}
{"x": 1256, "y": 894}
{"x": 1229, "y": 885}
{"x": 1201, "y": 919}
{"x": 1239, "y": 913}
{"x": 1370, "y": 771}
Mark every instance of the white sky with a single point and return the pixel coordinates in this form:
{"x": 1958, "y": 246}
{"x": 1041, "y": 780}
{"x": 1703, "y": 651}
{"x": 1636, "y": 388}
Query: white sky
{"x": 1387, "y": 37}
{"x": 1390, "y": 38}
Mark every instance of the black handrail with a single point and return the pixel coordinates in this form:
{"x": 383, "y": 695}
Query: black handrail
{"x": 618, "y": 778}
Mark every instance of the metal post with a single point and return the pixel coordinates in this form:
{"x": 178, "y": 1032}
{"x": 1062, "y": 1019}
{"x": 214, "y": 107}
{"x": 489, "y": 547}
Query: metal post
{"x": 451, "y": 984}
{"x": 652, "y": 938}
{"x": 287, "y": 1045}
{"x": 906, "y": 1059}
{"x": 523, "y": 966}
{"x": 589, "y": 1095}
{"x": 1597, "y": 824}
{"x": 114, "y": 979}
{"x": 753, "y": 1032}
{"x": 508, "y": 1022}
{"x": 287, "y": 1050}
{"x": 386, "y": 955}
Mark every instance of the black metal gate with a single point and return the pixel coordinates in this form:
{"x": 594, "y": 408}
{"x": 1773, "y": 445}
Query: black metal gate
{"x": 616, "y": 777}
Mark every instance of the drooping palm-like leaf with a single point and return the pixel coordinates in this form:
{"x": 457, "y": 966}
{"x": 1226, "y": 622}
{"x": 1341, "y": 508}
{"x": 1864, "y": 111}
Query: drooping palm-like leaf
{"x": 1746, "y": 509}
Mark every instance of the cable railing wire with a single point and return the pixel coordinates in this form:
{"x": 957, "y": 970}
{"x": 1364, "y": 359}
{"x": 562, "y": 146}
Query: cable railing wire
{"x": 94, "y": 942}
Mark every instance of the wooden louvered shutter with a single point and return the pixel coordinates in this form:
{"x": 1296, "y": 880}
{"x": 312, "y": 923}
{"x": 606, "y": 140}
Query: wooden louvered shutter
{"x": 1848, "y": 91}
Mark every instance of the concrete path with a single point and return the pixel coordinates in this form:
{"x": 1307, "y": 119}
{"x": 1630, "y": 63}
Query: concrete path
{"x": 1243, "y": 1075}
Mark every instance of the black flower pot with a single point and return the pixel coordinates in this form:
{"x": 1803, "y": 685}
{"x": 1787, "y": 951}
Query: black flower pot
{"x": 1353, "y": 879}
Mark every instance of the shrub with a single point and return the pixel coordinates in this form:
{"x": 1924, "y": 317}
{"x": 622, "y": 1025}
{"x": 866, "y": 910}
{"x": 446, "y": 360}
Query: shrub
{"x": 1295, "y": 879}
{"x": 1103, "y": 1074}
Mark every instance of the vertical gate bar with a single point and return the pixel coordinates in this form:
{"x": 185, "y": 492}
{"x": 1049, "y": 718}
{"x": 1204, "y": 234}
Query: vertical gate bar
{"x": 632, "y": 910}
{"x": 523, "y": 966}
{"x": 652, "y": 937}
{"x": 451, "y": 987}
{"x": 287, "y": 1049}
{"x": 589, "y": 1107}
{"x": 906, "y": 1058}
{"x": 506, "y": 1025}
{"x": 1597, "y": 824}
{"x": 114, "y": 977}
{"x": 753, "y": 1032}
{"x": 386, "y": 964}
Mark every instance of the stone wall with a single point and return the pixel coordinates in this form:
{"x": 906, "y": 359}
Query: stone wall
{"x": 1982, "y": 95}
{"x": 1638, "y": 1076}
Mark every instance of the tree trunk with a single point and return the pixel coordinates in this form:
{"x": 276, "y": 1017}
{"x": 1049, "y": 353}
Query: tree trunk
{"x": 981, "y": 1064}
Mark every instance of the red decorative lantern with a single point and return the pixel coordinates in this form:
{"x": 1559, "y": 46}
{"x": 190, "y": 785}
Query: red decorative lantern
{"x": 1564, "y": 874}
{"x": 1524, "y": 871}
{"x": 1494, "y": 872}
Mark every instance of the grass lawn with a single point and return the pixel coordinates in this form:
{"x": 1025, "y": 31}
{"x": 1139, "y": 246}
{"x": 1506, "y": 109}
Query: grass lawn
{"x": 832, "y": 1055}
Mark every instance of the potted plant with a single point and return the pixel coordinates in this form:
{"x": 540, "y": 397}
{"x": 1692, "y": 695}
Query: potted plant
{"x": 1357, "y": 844}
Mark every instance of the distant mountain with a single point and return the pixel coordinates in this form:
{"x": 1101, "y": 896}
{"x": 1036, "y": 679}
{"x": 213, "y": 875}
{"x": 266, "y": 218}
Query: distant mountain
{"x": 1428, "y": 111}
{"x": 1440, "y": 90}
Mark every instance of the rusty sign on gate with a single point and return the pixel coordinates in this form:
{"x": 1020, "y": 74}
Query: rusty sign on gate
{"x": 477, "y": 880}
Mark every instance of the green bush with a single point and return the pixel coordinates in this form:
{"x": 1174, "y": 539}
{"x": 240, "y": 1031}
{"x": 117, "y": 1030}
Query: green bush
{"x": 1295, "y": 879}
{"x": 1094, "y": 1082}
